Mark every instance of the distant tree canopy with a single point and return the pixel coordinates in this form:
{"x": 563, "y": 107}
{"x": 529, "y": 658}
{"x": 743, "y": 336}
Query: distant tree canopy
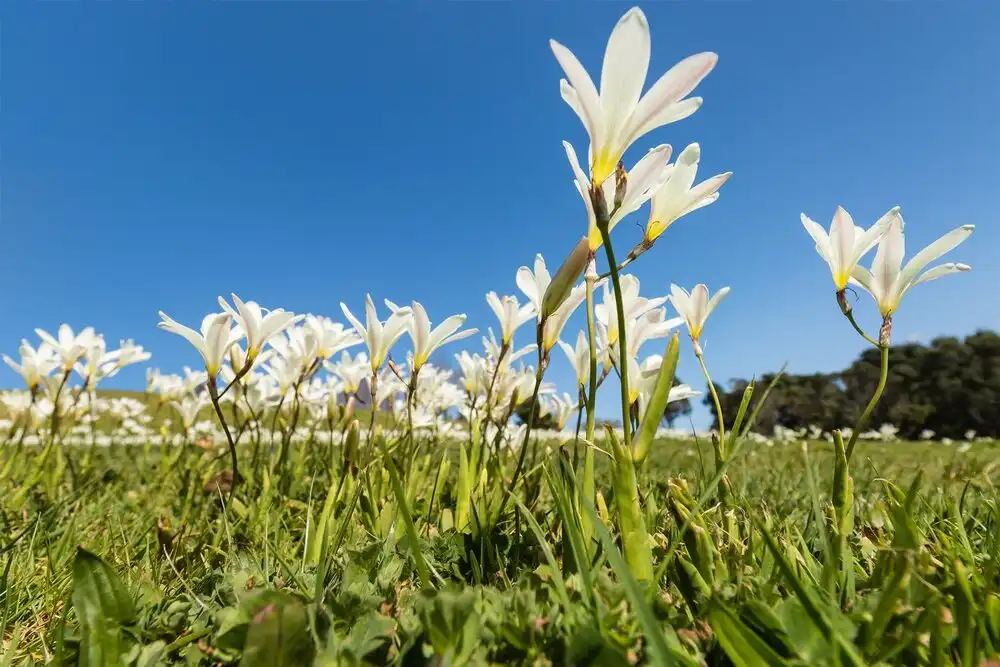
{"x": 950, "y": 387}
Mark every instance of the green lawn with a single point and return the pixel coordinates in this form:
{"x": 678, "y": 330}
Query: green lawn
{"x": 171, "y": 574}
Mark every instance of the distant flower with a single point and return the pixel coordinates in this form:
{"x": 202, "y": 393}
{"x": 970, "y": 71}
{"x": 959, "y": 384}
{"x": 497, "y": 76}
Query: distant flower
{"x": 846, "y": 243}
{"x": 426, "y": 340}
{"x": 889, "y": 280}
{"x": 620, "y": 114}
{"x": 579, "y": 357}
{"x": 378, "y": 336}
{"x": 556, "y": 322}
{"x": 695, "y": 307}
{"x": 213, "y": 342}
{"x": 69, "y": 347}
{"x": 534, "y": 283}
{"x": 35, "y": 364}
{"x": 331, "y": 337}
{"x": 678, "y": 196}
{"x": 645, "y": 178}
{"x": 257, "y": 324}
{"x": 510, "y": 314}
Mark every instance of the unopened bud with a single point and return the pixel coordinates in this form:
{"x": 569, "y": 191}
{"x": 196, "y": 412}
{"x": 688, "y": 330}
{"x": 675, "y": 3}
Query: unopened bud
{"x": 621, "y": 184}
{"x": 565, "y": 278}
{"x": 352, "y": 449}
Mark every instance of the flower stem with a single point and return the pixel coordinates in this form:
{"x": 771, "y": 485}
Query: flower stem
{"x": 622, "y": 343}
{"x": 213, "y": 392}
{"x": 876, "y": 397}
{"x": 715, "y": 399}
{"x": 542, "y": 362}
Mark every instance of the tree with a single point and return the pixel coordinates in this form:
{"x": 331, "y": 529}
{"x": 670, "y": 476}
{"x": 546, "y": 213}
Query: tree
{"x": 950, "y": 386}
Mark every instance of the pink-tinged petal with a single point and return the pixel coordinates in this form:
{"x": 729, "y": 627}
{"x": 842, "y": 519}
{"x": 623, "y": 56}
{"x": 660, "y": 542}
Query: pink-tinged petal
{"x": 657, "y": 106}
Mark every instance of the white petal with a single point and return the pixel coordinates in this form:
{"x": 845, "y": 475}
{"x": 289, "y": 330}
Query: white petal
{"x": 820, "y": 237}
{"x": 659, "y": 105}
{"x": 939, "y": 247}
{"x": 586, "y": 92}
{"x": 889, "y": 257}
{"x": 623, "y": 74}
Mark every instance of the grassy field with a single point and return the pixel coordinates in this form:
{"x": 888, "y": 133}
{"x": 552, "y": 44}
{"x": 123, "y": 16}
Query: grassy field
{"x": 140, "y": 557}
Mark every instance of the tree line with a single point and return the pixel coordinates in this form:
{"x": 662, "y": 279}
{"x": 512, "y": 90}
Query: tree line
{"x": 949, "y": 387}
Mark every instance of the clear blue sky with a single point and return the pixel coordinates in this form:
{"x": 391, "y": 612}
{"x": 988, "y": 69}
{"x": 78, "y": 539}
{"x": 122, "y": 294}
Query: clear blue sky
{"x": 156, "y": 155}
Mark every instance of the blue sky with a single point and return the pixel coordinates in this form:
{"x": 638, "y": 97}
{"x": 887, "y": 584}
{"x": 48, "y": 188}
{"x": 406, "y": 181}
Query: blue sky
{"x": 156, "y": 155}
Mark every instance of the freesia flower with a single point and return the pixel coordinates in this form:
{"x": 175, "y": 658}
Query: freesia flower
{"x": 645, "y": 178}
{"x": 426, "y": 340}
{"x": 889, "y": 280}
{"x": 510, "y": 314}
{"x": 579, "y": 357}
{"x": 378, "y": 336}
{"x": 695, "y": 307}
{"x": 213, "y": 342}
{"x": 35, "y": 364}
{"x": 844, "y": 246}
{"x": 534, "y": 283}
{"x": 331, "y": 337}
{"x": 258, "y": 325}
{"x": 67, "y": 346}
{"x": 556, "y": 322}
{"x": 620, "y": 114}
{"x": 679, "y": 196}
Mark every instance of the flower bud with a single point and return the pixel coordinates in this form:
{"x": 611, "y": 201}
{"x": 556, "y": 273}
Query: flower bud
{"x": 566, "y": 277}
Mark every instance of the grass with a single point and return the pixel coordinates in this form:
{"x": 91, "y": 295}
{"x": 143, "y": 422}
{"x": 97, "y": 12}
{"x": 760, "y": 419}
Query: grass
{"x": 144, "y": 561}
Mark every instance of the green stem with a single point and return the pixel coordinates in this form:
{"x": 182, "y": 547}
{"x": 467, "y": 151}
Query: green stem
{"x": 542, "y": 362}
{"x": 592, "y": 341}
{"x": 876, "y": 397}
{"x": 715, "y": 399}
{"x": 850, "y": 318}
{"x": 213, "y": 392}
{"x": 622, "y": 343}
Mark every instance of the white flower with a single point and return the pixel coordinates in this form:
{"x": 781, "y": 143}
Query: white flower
{"x": 695, "y": 308}
{"x": 620, "y": 114}
{"x": 212, "y": 343}
{"x": 331, "y": 337}
{"x": 846, "y": 243}
{"x": 378, "y": 336}
{"x": 644, "y": 319}
{"x": 676, "y": 197}
{"x": 426, "y": 340}
{"x": 68, "y": 347}
{"x": 645, "y": 178}
{"x": 189, "y": 408}
{"x": 556, "y": 322}
{"x": 579, "y": 357}
{"x": 35, "y": 364}
{"x": 510, "y": 314}
{"x": 889, "y": 280}
{"x": 258, "y": 325}
{"x": 560, "y": 408}
{"x": 534, "y": 283}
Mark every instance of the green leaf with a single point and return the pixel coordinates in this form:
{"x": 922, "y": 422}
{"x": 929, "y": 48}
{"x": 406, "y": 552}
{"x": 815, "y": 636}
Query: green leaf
{"x": 278, "y": 634}
{"x": 743, "y": 646}
{"x": 658, "y": 401}
{"x": 103, "y": 605}
{"x": 659, "y": 652}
